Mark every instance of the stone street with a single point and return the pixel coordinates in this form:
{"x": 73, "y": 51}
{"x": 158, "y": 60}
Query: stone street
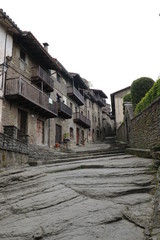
{"x": 108, "y": 198}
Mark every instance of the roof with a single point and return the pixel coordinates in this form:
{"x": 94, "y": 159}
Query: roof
{"x": 100, "y": 92}
{"x": 121, "y": 90}
{"x": 79, "y": 81}
{"x": 28, "y": 40}
{"x": 8, "y": 23}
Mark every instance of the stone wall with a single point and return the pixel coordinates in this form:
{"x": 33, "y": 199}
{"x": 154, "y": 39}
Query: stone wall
{"x": 12, "y": 151}
{"x": 142, "y": 131}
{"x": 121, "y": 133}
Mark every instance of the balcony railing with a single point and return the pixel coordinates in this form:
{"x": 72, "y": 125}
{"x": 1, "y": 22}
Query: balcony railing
{"x": 100, "y": 101}
{"x": 80, "y": 119}
{"x": 63, "y": 110}
{"x": 75, "y": 95}
{"x": 27, "y": 95}
{"x": 38, "y": 74}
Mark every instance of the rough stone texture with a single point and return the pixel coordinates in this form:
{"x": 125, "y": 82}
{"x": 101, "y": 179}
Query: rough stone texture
{"x": 142, "y": 131}
{"x": 10, "y": 144}
{"x": 156, "y": 216}
{"x": 12, "y": 151}
{"x": 106, "y": 198}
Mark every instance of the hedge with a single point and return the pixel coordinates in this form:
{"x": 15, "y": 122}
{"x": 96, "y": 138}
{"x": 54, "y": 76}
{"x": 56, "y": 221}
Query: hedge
{"x": 150, "y": 96}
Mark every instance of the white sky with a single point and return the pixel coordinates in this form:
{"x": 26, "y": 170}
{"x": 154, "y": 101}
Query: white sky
{"x": 108, "y": 42}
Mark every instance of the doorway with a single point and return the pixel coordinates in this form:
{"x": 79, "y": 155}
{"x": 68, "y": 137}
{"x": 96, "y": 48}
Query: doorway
{"x": 82, "y": 137}
{"x": 40, "y": 132}
{"x": 22, "y": 121}
{"x": 77, "y": 136}
{"x": 58, "y": 137}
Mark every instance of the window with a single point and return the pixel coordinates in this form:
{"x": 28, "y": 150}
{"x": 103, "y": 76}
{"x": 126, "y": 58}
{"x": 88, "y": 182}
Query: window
{"x": 88, "y": 115}
{"x": 71, "y": 105}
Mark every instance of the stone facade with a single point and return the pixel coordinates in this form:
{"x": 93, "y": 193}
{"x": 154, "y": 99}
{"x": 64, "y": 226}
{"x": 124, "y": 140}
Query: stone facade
{"x": 29, "y": 97}
{"x": 142, "y": 131}
{"x": 117, "y": 105}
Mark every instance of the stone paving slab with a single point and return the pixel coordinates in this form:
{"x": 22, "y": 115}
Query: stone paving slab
{"x": 105, "y": 198}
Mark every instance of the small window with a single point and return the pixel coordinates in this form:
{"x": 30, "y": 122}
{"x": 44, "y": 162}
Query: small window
{"x": 71, "y": 105}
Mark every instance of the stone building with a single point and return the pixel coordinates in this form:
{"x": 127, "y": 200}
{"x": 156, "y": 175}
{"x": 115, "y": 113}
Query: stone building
{"x": 117, "y": 105}
{"x": 41, "y": 102}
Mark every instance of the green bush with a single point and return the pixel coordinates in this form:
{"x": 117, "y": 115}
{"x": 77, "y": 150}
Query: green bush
{"x": 150, "y": 96}
{"x": 139, "y": 88}
{"x": 127, "y": 98}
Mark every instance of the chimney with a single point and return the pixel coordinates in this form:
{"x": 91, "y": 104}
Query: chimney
{"x": 46, "y": 46}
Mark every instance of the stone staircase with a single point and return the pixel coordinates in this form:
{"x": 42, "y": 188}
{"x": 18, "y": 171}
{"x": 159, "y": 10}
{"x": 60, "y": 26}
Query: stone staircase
{"x": 44, "y": 155}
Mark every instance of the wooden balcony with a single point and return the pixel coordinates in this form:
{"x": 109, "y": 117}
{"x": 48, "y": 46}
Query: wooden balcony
{"x": 75, "y": 95}
{"x": 39, "y": 75}
{"x": 63, "y": 110}
{"x": 81, "y": 120}
{"x": 26, "y": 95}
{"x": 100, "y": 101}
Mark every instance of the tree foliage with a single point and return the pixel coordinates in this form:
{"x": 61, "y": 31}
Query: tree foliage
{"x": 127, "y": 98}
{"x": 150, "y": 96}
{"x": 139, "y": 88}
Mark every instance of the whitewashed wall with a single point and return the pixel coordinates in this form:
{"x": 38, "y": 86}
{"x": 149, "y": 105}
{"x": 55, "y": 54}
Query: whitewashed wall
{"x": 6, "y": 45}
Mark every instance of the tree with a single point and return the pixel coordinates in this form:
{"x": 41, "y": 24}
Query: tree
{"x": 127, "y": 98}
{"x": 139, "y": 88}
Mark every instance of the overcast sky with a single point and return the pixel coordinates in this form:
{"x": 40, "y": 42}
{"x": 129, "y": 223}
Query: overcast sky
{"x": 108, "y": 42}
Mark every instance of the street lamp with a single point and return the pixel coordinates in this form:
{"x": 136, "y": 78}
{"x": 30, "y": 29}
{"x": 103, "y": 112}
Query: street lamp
{"x": 3, "y": 68}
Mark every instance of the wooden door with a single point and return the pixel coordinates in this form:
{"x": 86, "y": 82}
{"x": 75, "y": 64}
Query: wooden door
{"x": 77, "y": 136}
{"x": 82, "y": 137}
{"x": 58, "y": 137}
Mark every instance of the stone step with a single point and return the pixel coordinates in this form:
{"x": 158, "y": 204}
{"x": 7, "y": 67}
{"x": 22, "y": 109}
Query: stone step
{"x": 109, "y": 140}
{"x": 44, "y": 155}
{"x": 78, "y": 159}
{"x": 34, "y": 161}
{"x": 73, "y": 154}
